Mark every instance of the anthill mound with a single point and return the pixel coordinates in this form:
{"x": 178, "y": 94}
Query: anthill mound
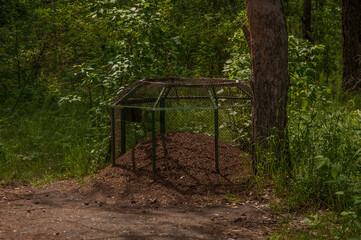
{"x": 185, "y": 171}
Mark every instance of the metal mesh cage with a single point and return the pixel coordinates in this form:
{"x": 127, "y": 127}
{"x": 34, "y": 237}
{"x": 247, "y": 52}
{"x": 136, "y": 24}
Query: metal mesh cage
{"x": 216, "y": 107}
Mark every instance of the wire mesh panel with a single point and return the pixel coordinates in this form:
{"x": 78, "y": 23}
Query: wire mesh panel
{"x": 219, "y": 108}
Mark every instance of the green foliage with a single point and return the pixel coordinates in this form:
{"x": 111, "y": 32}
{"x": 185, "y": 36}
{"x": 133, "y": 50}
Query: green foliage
{"x": 324, "y": 142}
{"x": 62, "y": 63}
{"x": 80, "y": 54}
{"x": 239, "y": 65}
{"x": 326, "y": 30}
{"x": 49, "y": 142}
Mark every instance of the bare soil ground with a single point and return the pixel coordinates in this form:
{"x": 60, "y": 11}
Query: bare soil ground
{"x": 185, "y": 199}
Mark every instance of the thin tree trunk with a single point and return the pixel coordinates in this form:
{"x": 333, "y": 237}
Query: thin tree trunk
{"x": 269, "y": 80}
{"x": 306, "y": 19}
{"x": 351, "y": 20}
{"x": 31, "y": 74}
{"x": 247, "y": 36}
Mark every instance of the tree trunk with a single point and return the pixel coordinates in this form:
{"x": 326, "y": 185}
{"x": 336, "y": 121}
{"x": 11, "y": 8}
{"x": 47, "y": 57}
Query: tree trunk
{"x": 269, "y": 80}
{"x": 351, "y": 31}
{"x": 306, "y": 20}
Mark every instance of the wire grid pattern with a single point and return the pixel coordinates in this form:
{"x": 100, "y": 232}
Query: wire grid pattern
{"x": 216, "y": 107}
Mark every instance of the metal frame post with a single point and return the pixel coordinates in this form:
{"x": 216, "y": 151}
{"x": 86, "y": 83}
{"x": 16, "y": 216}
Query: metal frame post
{"x": 112, "y": 136}
{"x": 162, "y": 117}
{"x": 154, "y": 144}
{"x": 123, "y": 135}
{"x": 214, "y": 98}
{"x": 216, "y": 136}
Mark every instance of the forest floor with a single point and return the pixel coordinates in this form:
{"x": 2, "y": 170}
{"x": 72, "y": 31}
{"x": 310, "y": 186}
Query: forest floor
{"x": 61, "y": 211}
{"x": 185, "y": 199}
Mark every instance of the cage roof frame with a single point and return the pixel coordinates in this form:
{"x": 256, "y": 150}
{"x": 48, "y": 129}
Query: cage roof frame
{"x": 166, "y": 84}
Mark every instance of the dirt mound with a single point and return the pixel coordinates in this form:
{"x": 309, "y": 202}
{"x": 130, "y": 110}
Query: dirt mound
{"x": 185, "y": 171}
{"x": 183, "y": 200}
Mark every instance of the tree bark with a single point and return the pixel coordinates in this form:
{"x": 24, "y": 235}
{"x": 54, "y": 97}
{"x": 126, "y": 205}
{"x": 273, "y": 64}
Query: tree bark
{"x": 247, "y": 36}
{"x": 351, "y": 36}
{"x": 269, "y": 79}
{"x": 306, "y": 19}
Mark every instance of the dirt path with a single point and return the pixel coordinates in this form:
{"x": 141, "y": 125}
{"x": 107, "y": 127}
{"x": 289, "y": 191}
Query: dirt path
{"x": 62, "y": 211}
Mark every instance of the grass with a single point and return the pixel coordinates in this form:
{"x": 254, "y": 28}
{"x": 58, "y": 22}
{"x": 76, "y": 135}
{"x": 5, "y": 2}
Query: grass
{"x": 325, "y": 150}
{"x": 321, "y": 225}
{"x": 48, "y": 142}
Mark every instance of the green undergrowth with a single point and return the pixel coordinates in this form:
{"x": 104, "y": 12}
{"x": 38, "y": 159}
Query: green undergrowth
{"x": 324, "y": 133}
{"x": 46, "y": 142}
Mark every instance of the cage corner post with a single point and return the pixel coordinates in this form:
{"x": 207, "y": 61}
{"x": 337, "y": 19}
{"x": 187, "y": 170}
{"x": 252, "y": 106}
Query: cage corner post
{"x": 214, "y": 98}
{"x": 162, "y": 117}
{"x": 216, "y": 137}
{"x": 154, "y": 143}
{"x": 123, "y": 136}
{"x": 112, "y": 136}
